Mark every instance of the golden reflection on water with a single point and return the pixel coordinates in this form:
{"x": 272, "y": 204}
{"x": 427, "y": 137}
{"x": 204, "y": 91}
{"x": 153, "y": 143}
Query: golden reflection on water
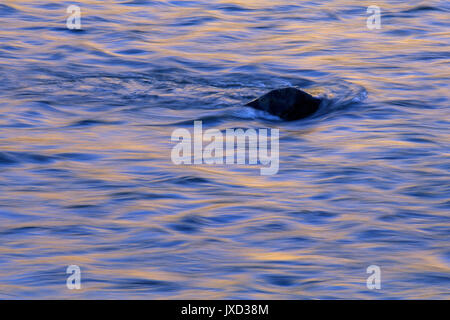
{"x": 85, "y": 140}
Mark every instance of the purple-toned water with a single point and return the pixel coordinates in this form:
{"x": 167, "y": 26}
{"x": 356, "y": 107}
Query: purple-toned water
{"x": 86, "y": 176}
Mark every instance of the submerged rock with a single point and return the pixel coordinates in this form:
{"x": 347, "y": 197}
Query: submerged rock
{"x": 287, "y": 103}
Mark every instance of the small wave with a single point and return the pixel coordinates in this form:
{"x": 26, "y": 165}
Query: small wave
{"x": 336, "y": 95}
{"x": 92, "y": 122}
{"x": 14, "y": 157}
{"x": 6, "y": 10}
{"x": 421, "y": 8}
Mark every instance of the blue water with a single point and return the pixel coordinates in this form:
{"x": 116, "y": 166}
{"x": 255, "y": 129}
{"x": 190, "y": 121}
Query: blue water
{"x": 86, "y": 176}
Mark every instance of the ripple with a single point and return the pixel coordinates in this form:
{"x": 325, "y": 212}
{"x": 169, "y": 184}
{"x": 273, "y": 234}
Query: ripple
{"x": 86, "y": 176}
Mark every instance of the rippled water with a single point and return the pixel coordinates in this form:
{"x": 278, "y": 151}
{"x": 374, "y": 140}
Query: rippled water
{"x": 85, "y": 171}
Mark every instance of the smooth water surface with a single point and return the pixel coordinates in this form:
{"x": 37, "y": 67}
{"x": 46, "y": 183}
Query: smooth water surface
{"x": 86, "y": 176}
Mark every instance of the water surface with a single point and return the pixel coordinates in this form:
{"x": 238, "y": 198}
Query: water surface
{"x": 85, "y": 171}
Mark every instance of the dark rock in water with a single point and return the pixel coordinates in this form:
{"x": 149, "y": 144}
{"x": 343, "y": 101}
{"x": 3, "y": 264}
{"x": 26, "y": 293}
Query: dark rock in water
{"x": 287, "y": 103}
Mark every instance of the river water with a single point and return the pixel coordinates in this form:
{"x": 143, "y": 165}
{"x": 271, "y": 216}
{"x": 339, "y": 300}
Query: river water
{"x": 86, "y": 176}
